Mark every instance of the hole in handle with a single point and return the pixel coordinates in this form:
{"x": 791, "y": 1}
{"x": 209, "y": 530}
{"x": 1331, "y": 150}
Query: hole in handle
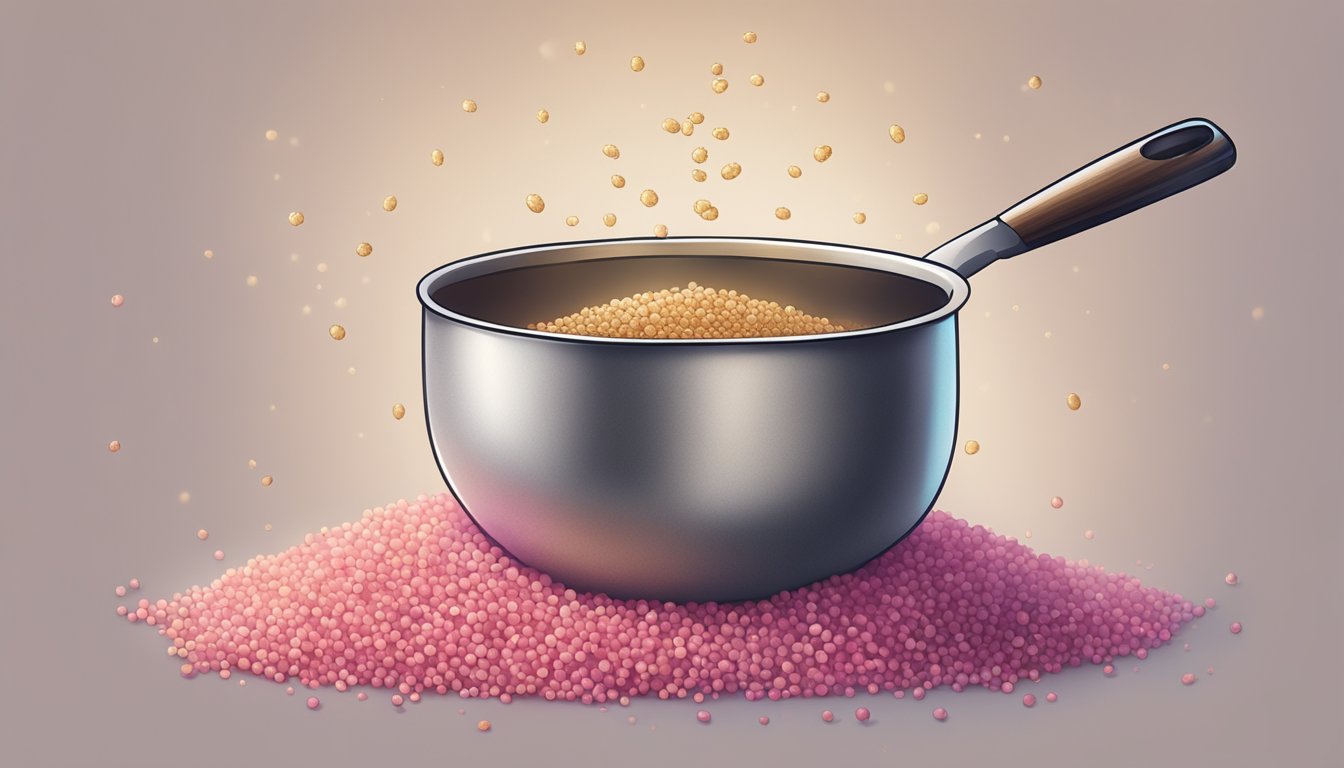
{"x": 1179, "y": 142}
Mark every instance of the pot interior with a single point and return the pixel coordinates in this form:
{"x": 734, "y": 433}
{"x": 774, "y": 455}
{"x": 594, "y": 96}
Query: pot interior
{"x": 540, "y": 285}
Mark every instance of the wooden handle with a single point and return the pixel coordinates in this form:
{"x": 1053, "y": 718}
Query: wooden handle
{"x": 1156, "y": 166}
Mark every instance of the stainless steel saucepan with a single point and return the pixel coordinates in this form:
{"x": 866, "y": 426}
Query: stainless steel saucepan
{"x": 728, "y": 469}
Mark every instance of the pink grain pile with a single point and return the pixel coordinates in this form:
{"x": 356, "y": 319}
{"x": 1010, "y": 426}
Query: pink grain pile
{"x": 413, "y": 597}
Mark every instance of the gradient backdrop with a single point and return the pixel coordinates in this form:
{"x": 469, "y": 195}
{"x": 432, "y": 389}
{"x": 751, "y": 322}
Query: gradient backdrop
{"x": 1203, "y": 334}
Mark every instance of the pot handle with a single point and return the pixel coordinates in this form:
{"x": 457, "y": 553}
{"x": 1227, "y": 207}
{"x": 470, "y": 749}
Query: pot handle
{"x": 1156, "y": 166}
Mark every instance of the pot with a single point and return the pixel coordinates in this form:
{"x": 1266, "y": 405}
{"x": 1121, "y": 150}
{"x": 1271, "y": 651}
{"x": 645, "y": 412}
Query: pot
{"x": 730, "y": 469}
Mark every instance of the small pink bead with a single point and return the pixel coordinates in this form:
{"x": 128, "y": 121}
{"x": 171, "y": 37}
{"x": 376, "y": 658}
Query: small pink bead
{"x": 1007, "y": 687}
{"x": 1052, "y": 697}
{"x": 862, "y": 714}
{"x": 940, "y": 714}
{"x": 918, "y": 693}
{"x": 827, "y": 715}
{"x": 134, "y": 583}
{"x": 763, "y": 720}
{"x": 118, "y": 300}
{"x": 702, "y": 716}
{"x": 122, "y": 610}
{"x": 1057, "y": 502}
{"x": 289, "y": 691}
{"x": 121, "y": 591}
{"x": 1028, "y": 700}
{"x": 1141, "y": 654}
{"x": 362, "y": 696}
{"x": 1235, "y": 628}
{"x": 219, "y": 554}
{"x": 313, "y": 702}
{"x": 1231, "y": 579}
{"x": 397, "y": 700}
{"x": 1188, "y": 678}
{"x": 1209, "y": 602}
{"x": 1108, "y": 670}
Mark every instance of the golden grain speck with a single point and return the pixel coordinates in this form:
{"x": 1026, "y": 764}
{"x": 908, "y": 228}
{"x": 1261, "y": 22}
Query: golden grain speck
{"x": 660, "y": 230}
{"x": 1258, "y": 313}
{"x": 748, "y": 37}
{"x": 390, "y": 203}
{"x": 782, "y": 213}
{"x": 823, "y": 96}
{"x": 757, "y": 80}
{"x": 719, "y": 85}
{"x": 698, "y": 174}
{"x": 398, "y": 411}
{"x": 699, "y": 154}
{"x": 363, "y": 249}
{"x": 637, "y": 63}
{"x": 822, "y": 153}
{"x": 580, "y": 48}
{"x": 972, "y": 447}
{"x": 272, "y": 134}
{"x": 696, "y": 117}
{"x": 114, "y": 446}
{"x": 795, "y": 171}
{"x": 649, "y": 198}
{"x": 711, "y": 214}
{"x": 609, "y": 219}
{"x": 617, "y": 180}
{"x": 1074, "y": 401}
{"x": 251, "y": 281}
{"x": 720, "y": 133}
{"x": 543, "y": 115}
{"x": 671, "y": 124}
{"x": 860, "y": 217}
{"x": 251, "y": 463}
{"x": 535, "y": 204}
{"x": 687, "y": 127}
{"x": 295, "y": 218}
{"x": 897, "y": 133}
{"x": 611, "y": 151}
{"x": 468, "y": 105}
{"x": 267, "y": 527}
{"x": 730, "y": 171}
{"x": 337, "y": 332}
{"x": 266, "y": 481}
{"x": 209, "y": 254}
{"x": 184, "y": 497}
{"x": 716, "y": 69}
{"x": 1034, "y": 82}
{"x": 436, "y": 157}
{"x": 701, "y": 206}
{"x": 920, "y": 199}
{"x": 572, "y": 221}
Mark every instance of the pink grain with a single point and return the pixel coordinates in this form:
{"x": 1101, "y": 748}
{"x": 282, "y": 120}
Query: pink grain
{"x": 414, "y": 598}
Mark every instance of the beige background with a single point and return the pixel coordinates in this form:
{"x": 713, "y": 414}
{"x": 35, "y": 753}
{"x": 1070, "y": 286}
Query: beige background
{"x": 131, "y": 140}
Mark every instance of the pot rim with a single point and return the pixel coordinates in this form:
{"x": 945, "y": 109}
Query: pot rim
{"x": 957, "y": 288}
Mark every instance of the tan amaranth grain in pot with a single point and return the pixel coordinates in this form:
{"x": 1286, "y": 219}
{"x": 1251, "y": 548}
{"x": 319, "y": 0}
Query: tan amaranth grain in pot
{"x": 693, "y": 312}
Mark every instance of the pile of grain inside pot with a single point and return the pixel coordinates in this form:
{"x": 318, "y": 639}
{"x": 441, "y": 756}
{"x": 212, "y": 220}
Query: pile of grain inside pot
{"x": 693, "y": 312}
{"x": 414, "y": 598}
